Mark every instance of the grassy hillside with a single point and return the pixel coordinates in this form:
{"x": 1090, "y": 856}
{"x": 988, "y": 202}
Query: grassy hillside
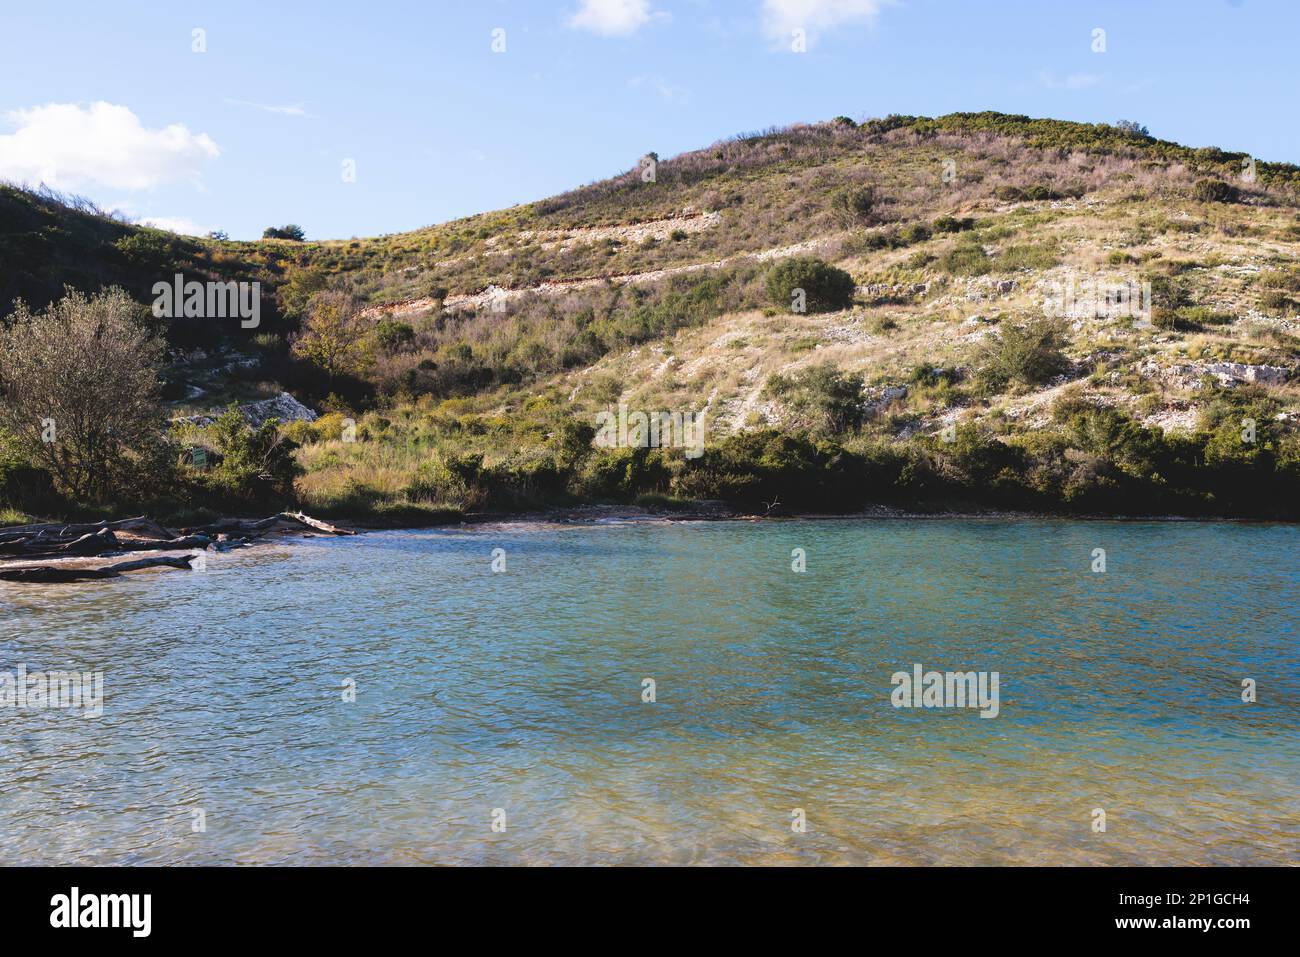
{"x": 487, "y": 347}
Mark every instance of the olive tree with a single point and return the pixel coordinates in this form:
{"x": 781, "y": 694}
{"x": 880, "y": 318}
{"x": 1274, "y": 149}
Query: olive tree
{"x": 79, "y": 387}
{"x": 333, "y": 334}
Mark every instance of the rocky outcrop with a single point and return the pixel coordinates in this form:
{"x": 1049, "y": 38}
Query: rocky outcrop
{"x": 283, "y": 407}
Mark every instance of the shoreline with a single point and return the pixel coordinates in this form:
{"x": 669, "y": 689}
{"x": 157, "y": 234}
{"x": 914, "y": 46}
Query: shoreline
{"x": 632, "y": 514}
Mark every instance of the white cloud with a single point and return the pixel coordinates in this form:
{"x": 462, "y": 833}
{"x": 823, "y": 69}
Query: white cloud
{"x": 67, "y": 146}
{"x": 614, "y": 17}
{"x": 1075, "y": 81}
{"x": 174, "y": 224}
{"x": 292, "y": 109}
{"x": 782, "y": 17}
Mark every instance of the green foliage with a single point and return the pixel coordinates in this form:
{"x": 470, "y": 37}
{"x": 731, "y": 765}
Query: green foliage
{"x": 393, "y": 335}
{"x": 826, "y": 287}
{"x": 831, "y": 401}
{"x": 1036, "y": 192}
{"x": 855, "y": 205}
{"x": 1030, "y": 354}
{"x": 147, "y": 250}
{"x": 289, "y": 231}
{"x": 913, "y": 233}
{"x": 966, "y": 258}
{"x": 255, "y": 465}
{"x": 1188, "y": 318}
{"x": 950, "y": 224}
{"x": 1214, "y": 191}
{"x": 1027, "y": 256}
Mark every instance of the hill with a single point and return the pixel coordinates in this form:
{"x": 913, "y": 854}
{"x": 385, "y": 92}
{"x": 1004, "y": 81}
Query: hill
{"x": 1039, "y": 315}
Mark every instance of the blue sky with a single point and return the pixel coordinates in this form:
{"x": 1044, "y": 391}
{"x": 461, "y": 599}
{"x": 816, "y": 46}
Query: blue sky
{"x": 255, "y": 130}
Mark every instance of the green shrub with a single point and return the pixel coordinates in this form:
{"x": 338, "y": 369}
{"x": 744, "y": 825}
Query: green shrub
{"x": 392, "y": 335}
{"x": 1214, "y": 191}
{"x": 1277, "y": 301}
{"x": 1041, "y": 256}
{"x": 913, "y": 233}
{"x": 950, "y": 224}
{"x": 289, "y": 231}
{"x": 826, "y": 288}
{"x": 828, "y": 399}
{"x": 257, "y": 465}
{"x": 1019, "y": 194}
{"x": 855, "y": 205}
{"x": 966, "y": 258}
{"x": 1187, "y": 318}
{"x": 1031, "y": 354}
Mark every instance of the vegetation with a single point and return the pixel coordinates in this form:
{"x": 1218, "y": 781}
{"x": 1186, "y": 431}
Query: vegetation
{"x": 936, "y": 391}
{"x": 824, "y": 287}
{"x": 79, "y": 382}
{"x": 1030, "y": 354}
{"x": 290, "y": 231}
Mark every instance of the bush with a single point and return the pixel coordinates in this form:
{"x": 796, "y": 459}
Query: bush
{"x": 1188, "y": 318}
{"x": 828, "y": 399}
{"x": 1018, "y": 194}
{"x": 913, "y": 233}
{"x": 826, "y": 288}
{"x": 966, "y": 258}
{"x": 256, "y": 465}
{"x": 148, "y": 250}
{"x": 284, "y": 232}
{"x": 393, "y": 335}
{"x": 856, "y": 205}
{"x": 1030, "y": 354}
{"x": 1277, "y": 301}
{"x": 1214, "y": 191}
{"x": 951, "y": 224}
{"x": 80, "y": 386}
{"x": 1027, "y": 257}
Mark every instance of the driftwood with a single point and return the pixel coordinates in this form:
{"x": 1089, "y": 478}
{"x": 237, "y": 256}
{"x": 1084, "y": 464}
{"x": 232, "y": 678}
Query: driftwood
{"x": 245, "y": 527}
{"x": 53, "y": 574}
{"x": 99, "y": 540}
{"x": 316, "y": 523}
{"x": 139, "y": 526}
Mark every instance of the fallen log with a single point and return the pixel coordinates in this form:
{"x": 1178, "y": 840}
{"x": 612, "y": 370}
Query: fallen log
{"x": 316, "y": 523}
{"x": 166, "y": 545}
{"x": 234, "y": 525}
{"x": 138, "y": 525}
{"x": 85, "y": 546}
{"x": 54, "y": 575}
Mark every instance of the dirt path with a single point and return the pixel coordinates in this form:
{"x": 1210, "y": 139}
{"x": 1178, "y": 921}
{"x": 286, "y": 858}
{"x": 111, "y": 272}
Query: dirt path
{"x": 494, "y": 294}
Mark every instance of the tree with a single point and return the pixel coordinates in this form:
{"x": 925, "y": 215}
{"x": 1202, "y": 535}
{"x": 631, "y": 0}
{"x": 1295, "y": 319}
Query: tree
{"x": 79, "y": 386}
{"x": 301, "y": 283}
{"x": 332, "y": 335}
{"x": 284, "y": 232}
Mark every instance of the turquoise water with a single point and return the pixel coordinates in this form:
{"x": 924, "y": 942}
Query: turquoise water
{"x": 522, "y": 691}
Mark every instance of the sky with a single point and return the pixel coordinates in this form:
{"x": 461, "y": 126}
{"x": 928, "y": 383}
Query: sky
{"x": 358, "y": 119}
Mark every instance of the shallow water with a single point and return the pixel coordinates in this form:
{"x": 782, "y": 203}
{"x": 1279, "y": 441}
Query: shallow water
{"x": 522, "y": 691}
